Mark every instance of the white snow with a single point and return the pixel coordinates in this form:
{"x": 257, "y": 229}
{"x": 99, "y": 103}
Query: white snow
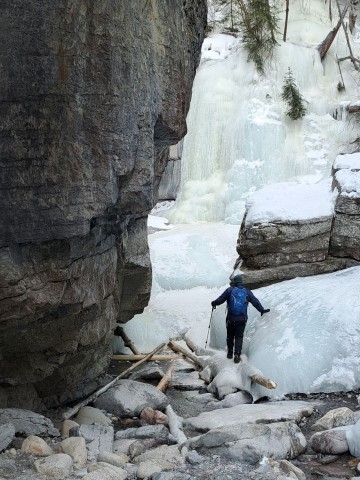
{"x": 160, "y": 223}
{"x": 353, "y": 439}
{"x": 218, "y": 47}
{"x": 350, "y": 161}
{"x": 349, "y": 182}
{"x": 290, "y": 202}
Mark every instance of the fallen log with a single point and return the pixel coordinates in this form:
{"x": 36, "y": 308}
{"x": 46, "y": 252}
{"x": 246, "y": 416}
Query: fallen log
{"x": 326, "y": 44}
{"x": 164, "y": 382}
{"x": 119, "y": 331}
{"x": 136, "y": 358}
{"x": 263, "y": 381}
{"x": 69, "y": 413}
{"x": 177, "y": 348}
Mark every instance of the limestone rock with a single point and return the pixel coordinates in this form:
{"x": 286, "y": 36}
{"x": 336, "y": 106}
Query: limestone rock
{"x": 149, "y": 468}
{"x": 84, "y": 157}
{"x": 171, "y": 476}
{"x": 76, "y": 448}
{"x": 120, "y": 473}
{"x": 90, "y": 415}
{"x": 137, "y": 448}
{"x": 7, "y": 433}
{"x": 194, "y": 458}
{"x": 66, "y": 426}
{"x": 157, "y": 432}
{"x": 330, "y": 442}
{"x": 27, "y": 422}
{"x": 248, "y": 442}
{"x": 167, "y": 453}
{"x": 128, "y": 398}
{"x": 258, "y": 413}
{"x": 98, "y": 439}
{"x": 56, "y": 466}
{"x": 102, "y": 474}
{"x": 154, "y": 417}
{"x": 36, "y": 446}
{"x": 112, "y": 459}
{"x": 122, "y": 445}
{"x": 335, "y": 418}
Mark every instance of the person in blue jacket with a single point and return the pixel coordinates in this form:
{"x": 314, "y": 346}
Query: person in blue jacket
{"x": 236, "y": 323}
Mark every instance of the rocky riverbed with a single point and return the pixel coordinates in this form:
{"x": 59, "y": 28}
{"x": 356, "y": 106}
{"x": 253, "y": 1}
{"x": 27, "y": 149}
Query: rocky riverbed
{"x": 131, "y": 432}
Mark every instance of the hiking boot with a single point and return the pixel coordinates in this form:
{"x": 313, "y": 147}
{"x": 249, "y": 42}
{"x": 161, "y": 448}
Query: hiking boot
{"x": 237, "y": 359}
{"x": 229, "y": 354}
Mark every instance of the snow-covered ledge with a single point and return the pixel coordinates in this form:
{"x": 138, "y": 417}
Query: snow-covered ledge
{"x": 286, "y": 233}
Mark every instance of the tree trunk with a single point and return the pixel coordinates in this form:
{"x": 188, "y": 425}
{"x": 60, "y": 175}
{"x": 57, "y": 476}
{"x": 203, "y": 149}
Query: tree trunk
{"x": 326, "y": 44}
{"x": 286, "y": 19}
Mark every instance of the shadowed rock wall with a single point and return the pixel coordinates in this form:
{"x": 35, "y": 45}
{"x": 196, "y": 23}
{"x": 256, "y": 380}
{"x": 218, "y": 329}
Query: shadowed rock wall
{"x": 91, "y": 96}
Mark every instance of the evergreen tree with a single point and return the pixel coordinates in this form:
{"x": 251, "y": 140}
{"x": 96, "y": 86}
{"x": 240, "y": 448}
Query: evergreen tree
{"x": 260, "y": 26}
{"x": 293, "y": 98}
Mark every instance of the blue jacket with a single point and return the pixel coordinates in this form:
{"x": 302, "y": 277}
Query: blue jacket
{"x": 225, "y": 297}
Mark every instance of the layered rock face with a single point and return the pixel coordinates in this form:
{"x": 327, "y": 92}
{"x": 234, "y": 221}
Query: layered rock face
{"x": 92, "y": 95}
{"x": 280, "y": 240}
{"x": 345, "y": 237}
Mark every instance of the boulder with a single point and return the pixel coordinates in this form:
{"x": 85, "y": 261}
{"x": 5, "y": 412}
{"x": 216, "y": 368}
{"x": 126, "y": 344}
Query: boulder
{"x": 194, "y": 458}
{"x": 154, "y": 417}
{"x": 279, "y": 470}
{"x": 112, "y": 459}
{"x": 102, "y": 474}
{"x": 330, "y": 442}
{"x": 36, "y": 446}
{"x": 7, "y": 433}
{"x": 66, "y": 426}
{"x": 171, "y": 476}
{"x": 76, "y": 448}
{"x": 97, "y": 438}
{"x": 56, "y": 466}
{"x": 149, "y": 468}
{"x": 120, "y": 473}
{"x": 128, "y": 398}
{"x": 159, "y": 433}
{"x": 122, "y": 445}
{"x": 335, "y": 418}
{"x": 249, "y": 442}
{"x": 27, "y": 422}
{"x": 164, "y": 452}
{"x": 90, "y": 415}
{"x": 258, "y": 413}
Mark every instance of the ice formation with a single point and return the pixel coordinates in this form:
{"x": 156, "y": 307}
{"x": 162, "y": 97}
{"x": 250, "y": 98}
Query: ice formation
{"x": 353, "y": 439}
{"x": 239, "y": 140}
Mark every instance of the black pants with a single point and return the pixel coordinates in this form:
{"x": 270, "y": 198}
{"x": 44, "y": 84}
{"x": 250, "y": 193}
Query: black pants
{"x": 235, "y": 330}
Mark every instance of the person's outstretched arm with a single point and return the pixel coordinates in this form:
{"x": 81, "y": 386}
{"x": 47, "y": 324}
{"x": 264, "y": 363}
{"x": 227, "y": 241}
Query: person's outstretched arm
{"x": 223, "y": 297}
{"x": 256, "y": 303}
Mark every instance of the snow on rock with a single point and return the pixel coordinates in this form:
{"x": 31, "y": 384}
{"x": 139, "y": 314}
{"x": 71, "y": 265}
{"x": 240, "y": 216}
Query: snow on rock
{"x": 258, "y": 413}
{"x": 289, "y": 202}
{"x": 349, "y": 161}
{"x": 349, "y": 182}
{"x": 218, "y": 47}
{"x": 309, "y": 340}
{"x": 159, "y": 223}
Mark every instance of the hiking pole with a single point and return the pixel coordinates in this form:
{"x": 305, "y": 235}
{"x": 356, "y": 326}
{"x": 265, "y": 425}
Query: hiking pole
{"x": 207, "y": 337}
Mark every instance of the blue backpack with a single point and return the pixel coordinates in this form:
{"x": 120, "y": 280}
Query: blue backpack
{"x": 238, "y": 303}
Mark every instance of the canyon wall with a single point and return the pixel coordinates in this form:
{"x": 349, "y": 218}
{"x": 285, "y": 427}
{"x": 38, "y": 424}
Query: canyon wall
{"x": 91, "y": 95}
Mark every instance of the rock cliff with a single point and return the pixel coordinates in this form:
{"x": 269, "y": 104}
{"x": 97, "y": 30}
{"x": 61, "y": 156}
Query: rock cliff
{"x": 92, "y": 94}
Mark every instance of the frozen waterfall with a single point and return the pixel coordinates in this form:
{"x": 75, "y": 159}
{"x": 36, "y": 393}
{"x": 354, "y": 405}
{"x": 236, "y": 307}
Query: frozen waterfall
{"x": 239, "y": 140}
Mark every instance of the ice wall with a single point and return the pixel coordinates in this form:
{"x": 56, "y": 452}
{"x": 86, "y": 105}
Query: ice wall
{"x": 239, "y": 137}
{"x": 309, "y": 342}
